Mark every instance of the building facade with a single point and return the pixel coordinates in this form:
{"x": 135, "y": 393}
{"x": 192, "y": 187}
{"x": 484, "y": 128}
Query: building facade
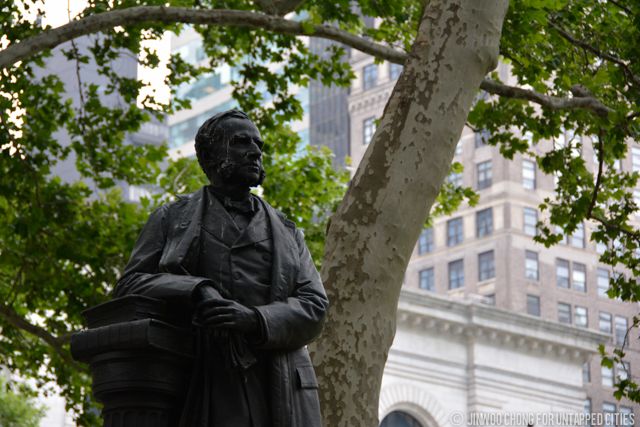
{"x": 153, "y": 132}
{"x": 455, "y": 360}
{"x": 328, "y": 111}
{"x": 487, "y": 252}
{"x": 209, "y": 94}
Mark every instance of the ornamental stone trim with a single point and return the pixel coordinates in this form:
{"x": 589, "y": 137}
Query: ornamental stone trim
{"x": 476, "y": 321}
{"x": 369, "y": 101}
{"x": 415, "y": 401}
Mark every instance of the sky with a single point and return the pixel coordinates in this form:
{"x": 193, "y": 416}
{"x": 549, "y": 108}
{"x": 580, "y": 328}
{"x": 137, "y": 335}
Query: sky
{"x": 59, "y": 12}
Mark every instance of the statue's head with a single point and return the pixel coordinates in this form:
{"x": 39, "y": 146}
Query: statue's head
{"x": 229, "y": 150}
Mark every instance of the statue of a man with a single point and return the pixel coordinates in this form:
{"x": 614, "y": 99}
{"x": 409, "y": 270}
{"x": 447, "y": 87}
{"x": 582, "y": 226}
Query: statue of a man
{"x": 244, "y": 276}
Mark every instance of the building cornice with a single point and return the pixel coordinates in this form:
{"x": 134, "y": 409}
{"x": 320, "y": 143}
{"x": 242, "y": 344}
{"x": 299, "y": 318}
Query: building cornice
{"x": 485, "y": 323}
{"x": 366, "y": 100}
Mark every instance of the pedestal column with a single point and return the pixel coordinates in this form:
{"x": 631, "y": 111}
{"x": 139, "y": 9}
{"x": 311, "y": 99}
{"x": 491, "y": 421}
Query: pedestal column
{"x": 139, "y": 362}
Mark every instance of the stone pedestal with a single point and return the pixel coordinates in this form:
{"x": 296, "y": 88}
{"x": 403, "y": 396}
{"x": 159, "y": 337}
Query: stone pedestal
{"x": 140, "y": 362}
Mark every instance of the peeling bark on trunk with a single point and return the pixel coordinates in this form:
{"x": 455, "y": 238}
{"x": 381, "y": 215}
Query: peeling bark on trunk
{"x": 372, "y": 235}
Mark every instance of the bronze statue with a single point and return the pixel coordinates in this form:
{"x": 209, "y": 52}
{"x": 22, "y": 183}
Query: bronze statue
{"x": 243, "y": 276}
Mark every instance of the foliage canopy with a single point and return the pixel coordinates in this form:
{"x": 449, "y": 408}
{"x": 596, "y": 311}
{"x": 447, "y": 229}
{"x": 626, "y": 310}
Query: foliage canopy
{"x": 576, "y": 68}
{"x": 18, "y": 409}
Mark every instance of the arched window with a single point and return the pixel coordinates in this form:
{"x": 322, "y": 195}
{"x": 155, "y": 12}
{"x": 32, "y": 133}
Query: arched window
{"x": 400, "y": 419}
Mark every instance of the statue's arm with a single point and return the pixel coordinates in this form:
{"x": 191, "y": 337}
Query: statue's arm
{"x": 297, "y": 321}
{"x": 142, "y": 275}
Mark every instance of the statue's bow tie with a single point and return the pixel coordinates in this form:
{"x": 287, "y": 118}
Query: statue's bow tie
{"x": 242, "y": 206}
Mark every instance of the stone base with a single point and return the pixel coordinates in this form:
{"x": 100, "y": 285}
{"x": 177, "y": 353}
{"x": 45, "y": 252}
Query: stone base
{"x": 140, "y": 367}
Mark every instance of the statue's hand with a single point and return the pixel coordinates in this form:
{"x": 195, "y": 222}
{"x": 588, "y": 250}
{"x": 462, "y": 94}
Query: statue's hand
{"x": 228, "y": 314}
{"x": 205, "y": 293}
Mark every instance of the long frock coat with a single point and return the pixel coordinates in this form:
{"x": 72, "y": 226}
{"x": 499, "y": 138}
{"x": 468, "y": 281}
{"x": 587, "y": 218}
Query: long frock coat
{"x": 166, "y": 253}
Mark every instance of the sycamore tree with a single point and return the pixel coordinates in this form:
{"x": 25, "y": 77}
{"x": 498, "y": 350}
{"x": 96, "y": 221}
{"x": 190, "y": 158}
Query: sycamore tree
{"x": 574, "y": 66}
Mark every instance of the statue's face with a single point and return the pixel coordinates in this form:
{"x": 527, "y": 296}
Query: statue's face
{"x": 241, "y": 153}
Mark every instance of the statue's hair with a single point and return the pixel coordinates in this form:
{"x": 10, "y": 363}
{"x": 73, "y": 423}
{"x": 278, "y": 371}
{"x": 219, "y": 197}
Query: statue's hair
{"x": 208, "y": 136}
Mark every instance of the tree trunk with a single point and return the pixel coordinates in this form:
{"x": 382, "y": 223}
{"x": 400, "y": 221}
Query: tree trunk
{"x": 373, "y": 233}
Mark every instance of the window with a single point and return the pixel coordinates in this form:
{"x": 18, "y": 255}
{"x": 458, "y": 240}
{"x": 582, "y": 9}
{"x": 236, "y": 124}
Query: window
{"x": 400, "y": 418}
{"x": 425, "y": 241}
{"x": 482, "y": 137}
{"x": 531, "y": 268}
{"x": 586, "y": 373}
{"x": 581, "y": 318}
{"x": 182, "y": 132}
{"x": 617, "y": 165}
{"x": 528, "y": 174}
{"x": 533, "y": 305}
{"x": 569, "y": 139}
{"x": 587, "y": 411}
{"x": 192, "y": 52}
{"x": 427, "y": 280}
{"x": 530, "y": 221}
{"x": 484, "y": 174}
{"x": 456, "y": 274}
{"x": 603, "y": 282}
{"x": 568, "y": 239}
{"x": 394, "y": 71}
{"x": 368, "y": 129}
{"x": 484, "y": 222}
{"x": 609, "y": 412}
{"x": 621, "y": 326}
{"x": 635, "y": 159}
{"x": 579, "y": 277}
{"x": 454, "y": 232}
{"x": 560, "y": 231}
{"x": 626, "y": 416}
{"x": 455, "y": 179}
{"x": 577, "y": 238}
{"x": 528, "y": 137}
{"x": 607, "y": 376}
{"x": 562, "y": 273}
{"x": 605, "y": 323}
{"x": 564, "y": 313}
{"x": 204, "y": 85}
{"x": 486, "y": 266}
{"x": 369, "y": 76}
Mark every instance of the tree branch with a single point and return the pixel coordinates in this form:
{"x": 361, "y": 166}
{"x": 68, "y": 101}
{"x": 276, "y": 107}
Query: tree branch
{"x": 232, "y": 18}
{"x": 596, "y": 187}
{"x": 611, "y": 226}
{"x": 76, "y": 53}
{"x": 603, "y": 55}
{"x": 13, "y": 318}
{"x": 245, "y": 19}
{"x": 552, "y": 102}
{"x": 622, "y": 7}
